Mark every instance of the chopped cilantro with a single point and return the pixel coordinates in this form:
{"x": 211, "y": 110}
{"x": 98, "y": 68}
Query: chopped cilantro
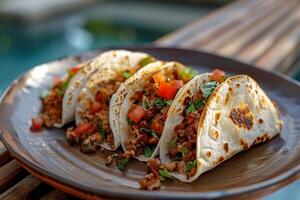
{"x": 101, "y": 129}
{"x": 122, "y": 163}
{"x": 169, "y": 102}
{"x": 187, "y": 73}
{"x": 129, "y": 121}
{"x": 148, "y": 151}
{"x": 126, "y": 74}
{"x": 145, "y": 61}
{"x": 208, "y": 88}
{"x": 164, "y": 173}
{"x": 191, "y": 108}
{"x": 159, "y": 103}
{"x": 176, "y": 158}
{"x": 184, "y": 150}
{"x": 195, "y": 105}
{"x": 173, "y": 142}
{"x": 199, "y": 103}
{"x": 63, "y": 87}
{"x": 151, "y": 132}
{"x": 146, "y": 104}
{"x": 191, "y": 165}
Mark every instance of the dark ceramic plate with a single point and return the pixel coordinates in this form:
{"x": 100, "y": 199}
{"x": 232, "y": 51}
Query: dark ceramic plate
{"x": 263, "y": 168}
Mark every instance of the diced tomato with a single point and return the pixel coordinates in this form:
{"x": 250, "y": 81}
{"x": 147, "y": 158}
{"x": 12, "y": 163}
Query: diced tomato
{"x": 153, "y": 141}
{"x": 96, "y": 107}
{"x": 37, "y": 124}
{"x": 74, "y": 70}
{"x": 85, "y": 127}
{"x": 166, "y": 90}
{"x": 193, "y": 171}
{"x": 56, "y": 80}
{"x": 218, "y": 75}
{"x": 177, "y": 83}
{"x": 159, "y": 77}
{"x": 137, "y": 114}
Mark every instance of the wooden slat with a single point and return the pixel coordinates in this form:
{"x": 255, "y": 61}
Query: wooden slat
{"x": 263, "y": 33}
{"x": 10, "y": 174}
{"x": 186, "y": 35}
{"x": 213, "y": 38}
{"x": 57, "y": 195}
{"x": 255, "y": 49}
{"x": 264, "y": 27}
{"x": 283, "y": 53}
{"x": 21, "y": 189}
{"x": 4, "y": 155}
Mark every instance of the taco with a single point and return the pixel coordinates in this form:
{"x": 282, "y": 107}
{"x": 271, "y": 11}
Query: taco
{"x": 145, "y": 107}
{"x": 59, "y": 102}
{"x": 211, "y": 120}
{"x": 92, "y": 108}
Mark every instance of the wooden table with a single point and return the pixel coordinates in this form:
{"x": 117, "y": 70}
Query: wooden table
{"x": 265, "y": 33}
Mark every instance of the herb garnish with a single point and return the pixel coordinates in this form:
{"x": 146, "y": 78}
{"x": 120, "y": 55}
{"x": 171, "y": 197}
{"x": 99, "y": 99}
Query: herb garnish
{"x": 165, "y": 173}
{"x": 187, "y": 73}
{"x": 208, "y": 88}
{"x": 159, "y": 103}
{"x": 173, "y": 142}
{"x": 126, "y": 74}
{"x": 148, "y": 151}
{"x": 150, "y": 132}
{"x": 191, "y": 165}
{"x": 129, "y": 121}
{"x": 122, "y": 163}
{"x": 184, "y": 150}
{"x": 101, "y": 129}
{"x": 195, "y": 105}
{"x": 146, "y": 104}
{"x": 145, "y": 61}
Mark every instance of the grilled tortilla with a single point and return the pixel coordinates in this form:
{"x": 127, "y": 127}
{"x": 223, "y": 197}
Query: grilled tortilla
{"x": 148, "y": 96}
{"x": 235, "y": 116}
{"x": 92, "y": 107}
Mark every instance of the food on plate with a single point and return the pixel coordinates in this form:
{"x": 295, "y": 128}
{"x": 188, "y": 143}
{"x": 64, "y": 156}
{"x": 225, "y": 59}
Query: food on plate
{"x": 145, "y": 107}
{"x": 59, "y": 103}
{"x": 213, "y": 118}
{"x": 92, "y": 108}
{"x": 183, "y": 124}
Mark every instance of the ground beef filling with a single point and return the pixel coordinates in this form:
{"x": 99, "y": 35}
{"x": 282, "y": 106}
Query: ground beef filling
{"x": 96, "y": 120}
{"x": 52, "y": 103}
{"x": 96, "y": 129}
{"x": 182, "y": 148}
{"x": 145, "y": 134}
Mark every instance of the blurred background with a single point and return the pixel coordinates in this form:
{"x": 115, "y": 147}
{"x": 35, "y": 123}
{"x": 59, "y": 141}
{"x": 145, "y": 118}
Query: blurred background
{"x": 36, "y": 31}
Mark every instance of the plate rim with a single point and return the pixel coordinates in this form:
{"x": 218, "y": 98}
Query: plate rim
{"x": 142, "y": 193}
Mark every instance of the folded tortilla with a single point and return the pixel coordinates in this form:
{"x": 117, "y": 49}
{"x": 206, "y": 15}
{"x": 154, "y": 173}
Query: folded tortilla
{"x": 126, "y": 93}
{"x": 72, "y": 92}
{"x": 112, "y": 64}
{"x": 237, "y": 115}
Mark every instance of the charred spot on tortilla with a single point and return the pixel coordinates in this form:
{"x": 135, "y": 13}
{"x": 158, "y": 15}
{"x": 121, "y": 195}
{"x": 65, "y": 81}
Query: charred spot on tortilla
{"x": 214, "y": 134}
{"x": 237, "y": 85}
{"x": 230, "y": 89}
{"x": 244, "y": 144}
{"x": 217, "y": 117}
{"x": 226, "y": 147}
{"x": 227, "y": 97}
{"x": 220, "y": 159}
{"x": 260, "y": 121}
{"x": 242, "y": 117}
{"x": 208, "y": 154}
